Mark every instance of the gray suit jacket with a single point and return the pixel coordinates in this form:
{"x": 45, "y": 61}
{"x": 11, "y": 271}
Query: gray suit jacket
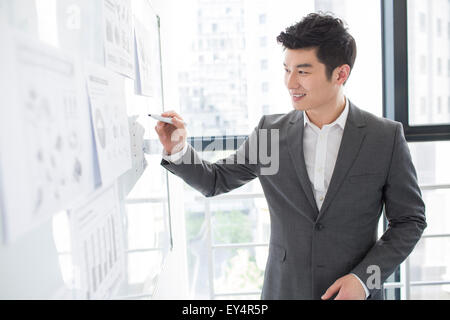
{"x": 310, "y": 249}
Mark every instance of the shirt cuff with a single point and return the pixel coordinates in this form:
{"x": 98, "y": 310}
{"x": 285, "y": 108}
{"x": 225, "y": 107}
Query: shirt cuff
{"x": 175, "y": 156}
{"x": 364, "y": 286}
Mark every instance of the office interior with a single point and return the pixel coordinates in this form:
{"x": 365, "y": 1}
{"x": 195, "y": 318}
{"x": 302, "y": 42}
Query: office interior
{"x": 86, "y": 218}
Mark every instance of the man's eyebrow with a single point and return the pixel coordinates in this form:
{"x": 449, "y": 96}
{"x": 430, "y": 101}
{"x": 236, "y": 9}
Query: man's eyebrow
{"x": 303, "y": 65}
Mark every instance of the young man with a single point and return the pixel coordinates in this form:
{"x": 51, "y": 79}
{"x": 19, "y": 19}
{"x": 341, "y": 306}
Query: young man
{"x": 338, "y": 167}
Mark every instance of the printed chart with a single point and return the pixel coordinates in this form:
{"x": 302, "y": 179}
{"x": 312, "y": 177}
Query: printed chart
{"x": 118, "y": 36}
{"x": 144, "y": 79}
{"x": 110, "y": 120}
{"x": 46, "y": 146}
{"x": 98, "y": 246}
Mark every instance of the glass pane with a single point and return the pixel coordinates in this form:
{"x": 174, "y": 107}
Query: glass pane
{"x": 143, "y": 270}
{"x": 430, "y": 260}
{"x": 431, "y": 160}
{"x": 197, "y": 252}
{"x": 437, "y": 203}
{"x": 231, "y": 73}
{"x": 242, "y": 221}
{"x": 430, "y": 292}
{"x": 391, "y": 294}
{"x": 429, "y": 62}
{"x": 146, "y": 226}
{"x": 239, "y": 269}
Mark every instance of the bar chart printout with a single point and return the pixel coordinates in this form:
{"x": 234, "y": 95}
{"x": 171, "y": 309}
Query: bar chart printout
{"x": 98, "y": 247}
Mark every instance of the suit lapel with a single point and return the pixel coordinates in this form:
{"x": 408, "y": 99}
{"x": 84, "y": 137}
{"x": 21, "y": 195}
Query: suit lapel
{"x": 295, "y": 146}
{"x": 350, "y": 145}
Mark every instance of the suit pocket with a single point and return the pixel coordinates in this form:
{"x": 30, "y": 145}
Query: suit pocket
{"x": 365, "y": 178}
{"x": 277, "y": 253}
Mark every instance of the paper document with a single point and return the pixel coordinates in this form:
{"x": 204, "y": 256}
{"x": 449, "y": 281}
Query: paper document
{"x": 46, "y": 148}
{"x": 98, "y": 246}
{"x": 118, "y": 36}
{"x": 110, "y": 120}
{"x": 145, "y": 73}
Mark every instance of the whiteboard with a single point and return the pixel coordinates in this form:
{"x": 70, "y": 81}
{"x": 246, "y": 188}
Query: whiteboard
{"x": 40, "y": 258}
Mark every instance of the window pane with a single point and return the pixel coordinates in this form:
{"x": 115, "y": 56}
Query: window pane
{"x": 235, "y": 37}
{"x": 431, "y": 292}
{"x": 143, "y": 270}
{"x": 197, "y": 252}
{"x": 437, "y": 203}
{"x": 147, "y": 226}
{"x": 427, "y": 53}
{"x": 430, "y": 260}
{"x": 431, "y": 161}
{"x": 237, "y": 270}
{"x": 240, "y": 221}
{"x": 391, "y": 294}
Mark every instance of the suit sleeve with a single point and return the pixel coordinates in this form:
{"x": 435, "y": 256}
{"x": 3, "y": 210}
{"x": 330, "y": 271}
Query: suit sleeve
{"x": 405, "y": 213}
{"x": 212, "y": 179}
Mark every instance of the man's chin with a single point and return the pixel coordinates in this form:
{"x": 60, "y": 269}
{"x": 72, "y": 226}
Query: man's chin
{"x": 299, "y": 108}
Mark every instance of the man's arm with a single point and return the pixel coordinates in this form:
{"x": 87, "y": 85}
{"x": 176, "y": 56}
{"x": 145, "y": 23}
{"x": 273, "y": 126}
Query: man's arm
{"x": 212, "y": 179}
{"x": 405, "y": 212}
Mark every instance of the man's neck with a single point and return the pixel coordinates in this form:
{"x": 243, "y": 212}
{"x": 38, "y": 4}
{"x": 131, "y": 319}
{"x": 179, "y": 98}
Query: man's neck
{"x": 327, "y": 114}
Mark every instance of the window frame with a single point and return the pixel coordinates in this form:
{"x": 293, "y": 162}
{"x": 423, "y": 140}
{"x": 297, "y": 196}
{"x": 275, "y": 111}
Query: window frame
{"x": 394, "y": 24}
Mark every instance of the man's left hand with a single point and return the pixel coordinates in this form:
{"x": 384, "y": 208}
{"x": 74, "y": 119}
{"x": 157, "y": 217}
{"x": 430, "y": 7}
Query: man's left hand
{"x": 349, "y": 288}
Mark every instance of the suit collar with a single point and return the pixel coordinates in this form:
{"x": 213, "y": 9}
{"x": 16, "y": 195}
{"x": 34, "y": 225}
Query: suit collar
{"x": 340, "y": 121}
{"x": 355, "y": 116}
{"x": 352, "y": 139}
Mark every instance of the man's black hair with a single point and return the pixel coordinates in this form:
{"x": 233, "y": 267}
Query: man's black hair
{"x": 328, "y": 34}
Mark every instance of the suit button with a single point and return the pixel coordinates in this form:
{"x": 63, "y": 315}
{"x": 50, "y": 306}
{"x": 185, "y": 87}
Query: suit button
{"x": 319, "y": 226}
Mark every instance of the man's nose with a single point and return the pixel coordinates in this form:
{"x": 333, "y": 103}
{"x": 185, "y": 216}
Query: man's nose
{"x": 292, "y": 82}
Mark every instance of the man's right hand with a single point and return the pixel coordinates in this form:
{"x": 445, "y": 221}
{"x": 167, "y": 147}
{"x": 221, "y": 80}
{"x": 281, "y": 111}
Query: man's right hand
{"x": 172, "y": 137}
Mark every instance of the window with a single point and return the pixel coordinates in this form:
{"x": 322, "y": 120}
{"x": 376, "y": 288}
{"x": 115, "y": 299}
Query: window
{"x": 424, "y": 274}
{"x": 423, "y": 64}
{"x": 439, "y": 67}
{"x": 448, "y": 68}
{"x": 448, "y": 30}
{"x": 429, "y": 262}
{"x": 264, "y": 64}
{"x": 404, "y": 100}
{"x": 423, "y": 106}
{"x": 262, "y": 18}
{"x": 423, "y": 26}
{"x": 263, "y": 41}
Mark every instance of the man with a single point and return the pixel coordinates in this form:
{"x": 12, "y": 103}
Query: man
{"x": 338, "y": 167}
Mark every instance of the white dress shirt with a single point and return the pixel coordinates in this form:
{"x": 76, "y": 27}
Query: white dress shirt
{"x": 320, "y": 148}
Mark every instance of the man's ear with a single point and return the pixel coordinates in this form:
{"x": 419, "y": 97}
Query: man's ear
{"x": 342, "y": 73}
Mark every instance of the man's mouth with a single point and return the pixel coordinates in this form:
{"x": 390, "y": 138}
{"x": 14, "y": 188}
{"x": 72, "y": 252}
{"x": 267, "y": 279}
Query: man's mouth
{"x": 298, "y": 97}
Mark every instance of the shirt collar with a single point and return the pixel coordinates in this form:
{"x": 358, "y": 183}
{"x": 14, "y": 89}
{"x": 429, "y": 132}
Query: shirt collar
{"x": 340, "y": 121}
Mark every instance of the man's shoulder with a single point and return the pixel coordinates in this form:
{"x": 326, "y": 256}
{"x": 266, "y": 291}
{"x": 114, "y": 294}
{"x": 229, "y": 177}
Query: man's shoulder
{"x": 377, "y": 123}
{"x": 277, "y": 120}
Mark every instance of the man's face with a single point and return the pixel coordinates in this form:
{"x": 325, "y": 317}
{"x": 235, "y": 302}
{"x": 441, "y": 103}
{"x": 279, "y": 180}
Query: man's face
{"x": 307, "y": 82}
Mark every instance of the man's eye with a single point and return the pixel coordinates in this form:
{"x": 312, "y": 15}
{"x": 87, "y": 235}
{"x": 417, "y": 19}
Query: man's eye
{"x": 302, "y": 72}
{"x": 286, "y": 70}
